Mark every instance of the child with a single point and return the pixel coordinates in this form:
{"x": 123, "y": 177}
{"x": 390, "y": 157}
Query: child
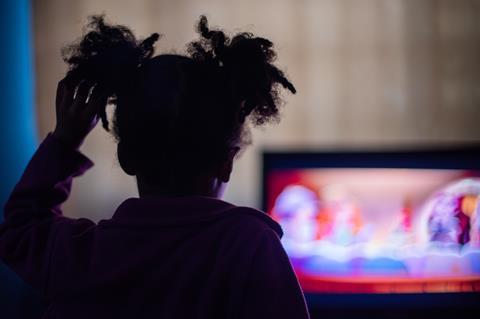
{"x": 177, "y": 251}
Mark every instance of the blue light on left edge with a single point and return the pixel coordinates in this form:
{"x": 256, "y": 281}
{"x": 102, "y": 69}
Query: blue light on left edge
{"x": 17, "y": 116}
{"x": 18, "y": 138}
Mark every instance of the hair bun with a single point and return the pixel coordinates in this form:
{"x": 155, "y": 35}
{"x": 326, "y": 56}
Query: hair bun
{"x": 108, "y": 55}
{"x": 249, "y": 62}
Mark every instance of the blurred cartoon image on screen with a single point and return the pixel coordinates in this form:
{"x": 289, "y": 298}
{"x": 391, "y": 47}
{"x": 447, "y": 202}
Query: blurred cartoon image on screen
{"x": 380, "y": 230}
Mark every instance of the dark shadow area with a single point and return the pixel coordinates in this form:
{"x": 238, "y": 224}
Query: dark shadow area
{"x": 17, "y": 299}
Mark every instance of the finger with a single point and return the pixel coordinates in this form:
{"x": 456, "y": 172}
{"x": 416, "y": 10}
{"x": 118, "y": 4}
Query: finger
{"x": 60, "y": 94}
{"x": 97, "y": 100}
{"x": 64, "y": 96}
{"x": 83, "y": 90}
{"x": 97, "y": 92}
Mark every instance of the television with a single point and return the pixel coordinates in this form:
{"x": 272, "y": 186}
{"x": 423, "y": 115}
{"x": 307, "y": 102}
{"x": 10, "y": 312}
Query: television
{"x": 373, "y": 229}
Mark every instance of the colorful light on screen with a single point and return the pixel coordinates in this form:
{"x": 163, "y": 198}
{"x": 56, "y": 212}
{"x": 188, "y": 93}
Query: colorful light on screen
{"x": 380, "y": 230}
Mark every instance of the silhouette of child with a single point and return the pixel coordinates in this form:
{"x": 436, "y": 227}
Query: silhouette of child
{"x": 177, "y": 251}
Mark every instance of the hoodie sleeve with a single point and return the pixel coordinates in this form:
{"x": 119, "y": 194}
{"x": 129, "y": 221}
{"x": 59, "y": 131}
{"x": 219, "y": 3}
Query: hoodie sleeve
{"x": 33, "y": 218}
{"x": 272, "y": 289}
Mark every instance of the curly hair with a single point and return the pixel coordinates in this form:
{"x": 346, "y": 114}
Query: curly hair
{"x": 107, "y": 54}
{"x": 249, "y": 60}
{"x": 172, "y": 108}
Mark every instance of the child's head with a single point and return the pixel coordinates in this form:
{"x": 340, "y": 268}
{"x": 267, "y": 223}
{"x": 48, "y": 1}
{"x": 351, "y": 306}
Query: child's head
{"x": 179, "y": 120}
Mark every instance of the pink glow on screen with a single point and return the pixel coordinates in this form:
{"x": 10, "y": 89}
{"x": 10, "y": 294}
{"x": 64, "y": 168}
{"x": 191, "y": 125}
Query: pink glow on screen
{"x": 380, "y": 230}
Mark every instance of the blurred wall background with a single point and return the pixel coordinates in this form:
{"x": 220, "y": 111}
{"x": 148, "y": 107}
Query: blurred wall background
{"x": 369, "y": 73}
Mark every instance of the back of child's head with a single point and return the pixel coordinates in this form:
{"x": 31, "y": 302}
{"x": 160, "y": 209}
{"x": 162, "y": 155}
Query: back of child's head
{"x": 178, "y": 116}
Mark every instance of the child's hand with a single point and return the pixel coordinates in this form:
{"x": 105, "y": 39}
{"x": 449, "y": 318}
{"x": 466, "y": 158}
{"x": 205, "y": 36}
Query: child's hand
{"x": 77, "y": 114}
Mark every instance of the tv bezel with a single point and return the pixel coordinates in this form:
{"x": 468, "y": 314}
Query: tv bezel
{"x": 461, "y": 157}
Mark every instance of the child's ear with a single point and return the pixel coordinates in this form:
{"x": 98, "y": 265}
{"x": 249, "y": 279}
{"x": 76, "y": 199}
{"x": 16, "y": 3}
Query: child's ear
{"x": 125, "y": 159}
{"x": 227, "y": 166}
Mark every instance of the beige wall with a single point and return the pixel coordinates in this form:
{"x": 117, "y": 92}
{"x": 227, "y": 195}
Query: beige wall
{"x": 369, "y": 73}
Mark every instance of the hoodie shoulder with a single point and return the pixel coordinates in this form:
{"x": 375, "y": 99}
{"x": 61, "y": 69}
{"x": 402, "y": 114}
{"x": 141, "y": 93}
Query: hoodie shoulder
{"x": 256, "y": 219}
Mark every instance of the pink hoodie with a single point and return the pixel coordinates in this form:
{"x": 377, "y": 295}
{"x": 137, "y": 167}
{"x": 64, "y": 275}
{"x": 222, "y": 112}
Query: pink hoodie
{"x": 183, "y": 257}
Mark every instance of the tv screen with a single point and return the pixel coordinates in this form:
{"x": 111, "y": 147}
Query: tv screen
{"x": 378, "y": 222}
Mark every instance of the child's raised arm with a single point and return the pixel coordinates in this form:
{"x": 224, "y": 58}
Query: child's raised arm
{"x": 34, "y": 229}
